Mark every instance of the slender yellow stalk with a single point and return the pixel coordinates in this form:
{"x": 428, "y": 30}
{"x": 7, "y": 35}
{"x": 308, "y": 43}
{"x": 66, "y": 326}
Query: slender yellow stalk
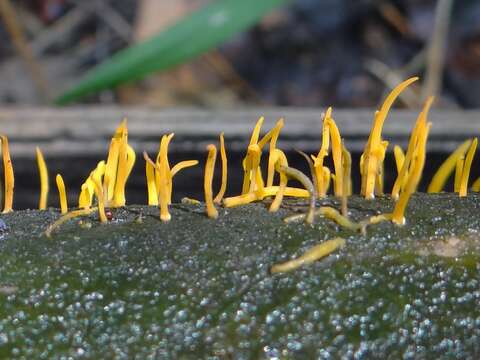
{"x": 399, "y": 157}
{"x": 42, "y": 169}
{"x": 86, "y": 195}
{"x": 62, "y": 194}
{"x": 347, "y": 171}
{"x": 121, "y": 176}
{"x": 111, "y": 167}
{"x": 254, "y": 152}
{"x": 414, "y": 177}
{"x": 182, "y": 165}
{"x": 419, "y": 128}
{"x": 71, "y": 215}
{"x": 458, "y": 174}
{"x": 8, "y": 177}
{"x": 305, "y": 181}
{"x": 100, "y": 198}
{"x": 152, "y": 190}
{"x": 318, "y": 160}
{"x": 280, "y": 160}
{"x": 466, "y": 168}
{"x": 476, "y": 185}
{"x": 223, "y": 155}
{"x": 208, "y": 179}
{"x": 337, "y": 156}
{"x": 273, "y": 146}
{"x": 445, "y": 170}
{"x": 311, "y": 255}
{"x": 373, "y": 149}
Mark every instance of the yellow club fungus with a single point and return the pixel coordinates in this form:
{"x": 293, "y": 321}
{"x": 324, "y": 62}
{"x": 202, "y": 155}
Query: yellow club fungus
{"x": 374, "y": 151}
{"x": 151, "y": 188}
{"x": 208, "y": 179}
{"x": 337, "y": 156}
{"x": 8, "y": 177}
{"x": 311, "y": 255}
{"x": 163, "y": 176}
{"x": 418, "y": 129}
{"x": 279, "y": 160}
{"x": 399, "y": 158}
{"x": 445, "y": 170}
{"x": 322, "y": 179}
{"x": 223, "y": 187}
{"x": 476, "y": 185}
{"x": 330, "y": 213}
{"x": 62, "y": 194}
{"x": 458, "y": 174}
{"x": 70, "y": 215}
{"x": 42, "y": 169}
{"x": 415, "y": 173}
{"x": 466, "y": 168}
{"x": 273, "y": 146}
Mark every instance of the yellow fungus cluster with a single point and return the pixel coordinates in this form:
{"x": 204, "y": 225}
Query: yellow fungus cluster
{"x": 105, "y": 185}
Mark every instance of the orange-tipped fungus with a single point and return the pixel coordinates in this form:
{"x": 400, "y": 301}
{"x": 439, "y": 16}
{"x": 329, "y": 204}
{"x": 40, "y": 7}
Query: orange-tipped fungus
{"x": 42, "y": 169}
{"x": 62, "y": 194}
{"x": 8, "y": 177}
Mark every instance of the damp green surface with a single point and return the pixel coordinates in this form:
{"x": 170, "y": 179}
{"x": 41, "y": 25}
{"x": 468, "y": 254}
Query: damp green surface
{"x": 195, "y": 287}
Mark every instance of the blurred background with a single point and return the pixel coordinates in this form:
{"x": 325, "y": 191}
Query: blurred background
{"x": 198, "y": 67}
{"x": 287, "y": 53}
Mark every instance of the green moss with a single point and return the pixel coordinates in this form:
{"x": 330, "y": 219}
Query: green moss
{"x": 197, "y": 286}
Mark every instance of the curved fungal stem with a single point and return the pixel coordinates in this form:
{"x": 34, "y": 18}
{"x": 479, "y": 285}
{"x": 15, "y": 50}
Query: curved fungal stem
{"x": 444, "y": 171}
{"x": 311, "y": 255}
{"x": 373, "y": 150}
{"x": 9, "y": 178}
{"x": 151, "y": 188}
{"x": 458, "y": 174}
{"x": 223, "y": 156}
{"x": 62, "y": 194}
{"x": 330, "y": 213}
{"x": 208, "y": 179}
{"x": 466, "y": 168}
{"x": 71, "y": 215}
{"x": 42, "y": 169}
{"x": 305, "y": 181}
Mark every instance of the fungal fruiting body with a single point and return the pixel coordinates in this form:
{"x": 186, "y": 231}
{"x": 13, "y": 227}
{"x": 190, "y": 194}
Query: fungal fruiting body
{"x": 374, "y": 152}
{"x": 62, "y": 194}
{"x": 8, "y": 176}
{"x": 42, "y": 170}
{"x": 106, "y": 183}
{"x": 163, "y": 175}
{"x": 311, "y": 255}
{"x": 207, "y": 184}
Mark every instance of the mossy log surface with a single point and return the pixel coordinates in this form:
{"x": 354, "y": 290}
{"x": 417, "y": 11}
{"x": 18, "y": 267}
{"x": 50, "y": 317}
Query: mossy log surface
{"x": 197, "y": 287}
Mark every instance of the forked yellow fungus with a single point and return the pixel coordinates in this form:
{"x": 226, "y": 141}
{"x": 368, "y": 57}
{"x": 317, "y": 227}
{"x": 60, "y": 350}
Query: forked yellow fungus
{"x": 466, "y": 168}
{"x": 208, "y": 179}
{"x": 151, "y": 188}
{"x": 311, "y": 255}
{"x": 374, "y": 152}
{"x": 42, "y": 169}
{"x": 164, "y": 175}
{"x": 8, "y": 177}
{"x": 62, "y": 194}
{"x": 445, "y": 170}
{"x": 223, "y": 187}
